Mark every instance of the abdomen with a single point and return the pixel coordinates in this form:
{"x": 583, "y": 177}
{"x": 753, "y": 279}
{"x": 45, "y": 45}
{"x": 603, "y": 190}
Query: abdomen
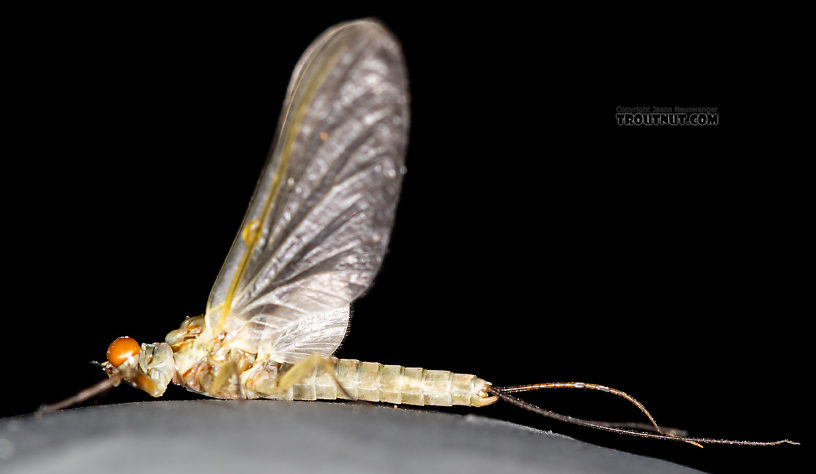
{"x": 374, "y": 382}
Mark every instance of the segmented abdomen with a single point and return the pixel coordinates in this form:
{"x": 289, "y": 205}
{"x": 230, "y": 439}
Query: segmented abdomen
{"x": 374, "y": 382}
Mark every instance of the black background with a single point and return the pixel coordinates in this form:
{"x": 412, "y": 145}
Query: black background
{"x": 535, "y": 239}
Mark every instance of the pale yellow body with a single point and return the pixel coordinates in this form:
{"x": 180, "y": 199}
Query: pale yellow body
{"x": 374, "y": 382}
{"x": 206, "y": 365}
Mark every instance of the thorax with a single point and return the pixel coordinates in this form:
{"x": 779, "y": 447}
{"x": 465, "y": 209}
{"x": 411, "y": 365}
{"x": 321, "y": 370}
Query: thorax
{"x": 207, "y": 364}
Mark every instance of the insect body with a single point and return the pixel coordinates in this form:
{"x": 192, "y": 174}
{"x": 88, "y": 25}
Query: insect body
{"x": 311, "y": 243}
{"x": 193, "y": 364}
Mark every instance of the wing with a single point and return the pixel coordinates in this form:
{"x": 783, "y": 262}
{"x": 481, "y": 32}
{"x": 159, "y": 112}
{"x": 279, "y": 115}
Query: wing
{"x": 318, "y": 225}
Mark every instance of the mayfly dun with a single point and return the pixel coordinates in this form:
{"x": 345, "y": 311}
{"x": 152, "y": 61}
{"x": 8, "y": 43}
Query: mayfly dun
{"x": 310, "y": 244}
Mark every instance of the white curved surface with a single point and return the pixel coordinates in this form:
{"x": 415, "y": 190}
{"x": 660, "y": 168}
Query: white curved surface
{"x": 260, "y": 436}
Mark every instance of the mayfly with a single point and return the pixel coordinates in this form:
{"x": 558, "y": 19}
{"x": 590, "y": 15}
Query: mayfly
{"x": 311, "y": 243}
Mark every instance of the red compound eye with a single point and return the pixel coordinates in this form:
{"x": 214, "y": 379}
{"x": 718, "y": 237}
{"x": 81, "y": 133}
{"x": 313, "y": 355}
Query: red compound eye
{"x": 121, "y": 350}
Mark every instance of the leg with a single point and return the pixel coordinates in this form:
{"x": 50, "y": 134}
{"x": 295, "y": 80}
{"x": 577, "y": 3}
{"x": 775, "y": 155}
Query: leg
{"x": 305, "y": 367}
{"x": 89, "y": 392}
{"x": 222, "y": 378}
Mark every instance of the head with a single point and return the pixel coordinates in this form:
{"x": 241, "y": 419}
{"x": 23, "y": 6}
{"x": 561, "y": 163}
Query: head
{"x": 149, "y": 367}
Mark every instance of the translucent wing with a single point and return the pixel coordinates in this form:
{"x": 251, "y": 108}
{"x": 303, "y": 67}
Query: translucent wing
{"x": 318, "y": 225}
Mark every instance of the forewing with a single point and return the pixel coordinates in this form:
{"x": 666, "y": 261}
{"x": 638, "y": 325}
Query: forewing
{"x": 318, "y": 225}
